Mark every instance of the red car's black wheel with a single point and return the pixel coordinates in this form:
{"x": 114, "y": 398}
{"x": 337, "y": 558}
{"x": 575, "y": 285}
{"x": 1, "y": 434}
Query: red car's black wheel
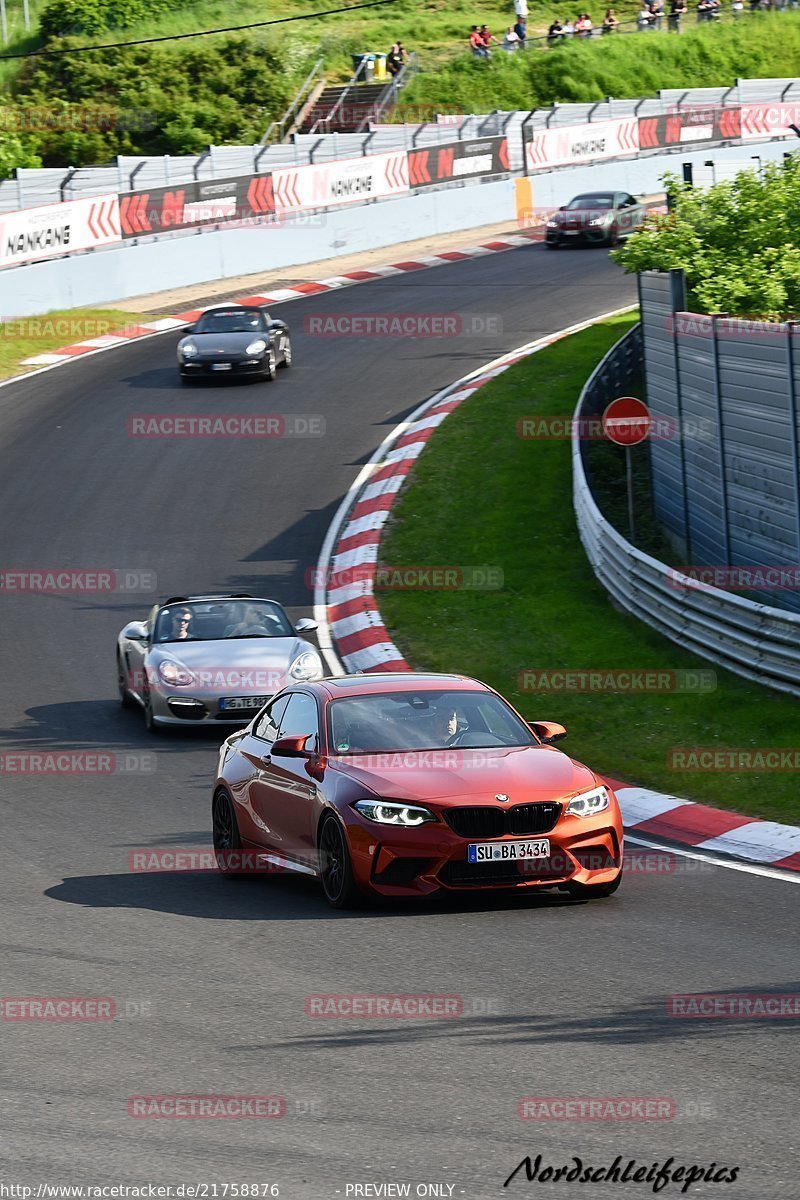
{"x": 226, "y": 838}
{"x": 335, "y": 866}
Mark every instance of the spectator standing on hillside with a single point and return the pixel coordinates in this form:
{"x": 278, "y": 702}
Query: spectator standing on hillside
{"x": 583, "y": 26}
{"x": 394, "y": 59}
{"x": 476, "y": 44}
{"x": 610, "y": 21}
{"x": 555, "y": 33}
{"x": 488, "y": 37}
{"x": 677, "y": 9}
{"x": 569, "y": 28}
{"x": 657, "y": 13}
{"x": 521, "y": 30}
{"x": 510, "y": 41}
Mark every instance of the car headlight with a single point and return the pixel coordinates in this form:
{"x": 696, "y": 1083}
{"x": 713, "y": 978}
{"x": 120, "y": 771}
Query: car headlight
{"x": 189, "y": 350}
{"x": 553, "y": 224}
{"x": 589, "y": 803}
{"x": 175, "y": 674}
{"x": 307, "y": 665}
{"x": 256, "y": 347}
{"x": 391, "y": 812}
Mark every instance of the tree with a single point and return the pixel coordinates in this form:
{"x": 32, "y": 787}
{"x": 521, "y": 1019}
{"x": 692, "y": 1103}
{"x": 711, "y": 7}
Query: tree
{"x": 737, "y": 242}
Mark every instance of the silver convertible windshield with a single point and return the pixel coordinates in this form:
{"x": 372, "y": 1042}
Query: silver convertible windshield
{"x": 214, "y": 620}
{"x": 424, "y": 720}
{"x": 232, "y": 320}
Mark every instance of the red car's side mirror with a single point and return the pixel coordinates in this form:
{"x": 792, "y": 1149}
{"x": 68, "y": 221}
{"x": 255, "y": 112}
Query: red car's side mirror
{"x": 548, "y": 731}
{"x": 291, "y": 747}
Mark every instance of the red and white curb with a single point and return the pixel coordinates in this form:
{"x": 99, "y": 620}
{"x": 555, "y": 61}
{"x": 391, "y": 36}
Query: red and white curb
{"x": 301, "y": 291}
{"x": 353, "y": 637}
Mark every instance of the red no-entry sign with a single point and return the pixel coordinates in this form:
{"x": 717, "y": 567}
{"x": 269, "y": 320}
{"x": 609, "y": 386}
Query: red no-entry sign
{"x": 627, "y": 421}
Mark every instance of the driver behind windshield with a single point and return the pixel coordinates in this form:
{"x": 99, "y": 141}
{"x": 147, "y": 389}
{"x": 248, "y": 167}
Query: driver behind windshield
{"x": 251, "y": 623}
{"x": 180, "y": 625}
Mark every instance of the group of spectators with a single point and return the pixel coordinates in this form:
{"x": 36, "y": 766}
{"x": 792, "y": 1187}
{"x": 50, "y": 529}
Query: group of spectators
{"x": 481, "y": 39}
{"x": 651, "y": 16}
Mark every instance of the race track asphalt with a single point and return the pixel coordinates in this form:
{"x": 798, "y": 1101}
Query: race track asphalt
{"x": 560, "y": 999}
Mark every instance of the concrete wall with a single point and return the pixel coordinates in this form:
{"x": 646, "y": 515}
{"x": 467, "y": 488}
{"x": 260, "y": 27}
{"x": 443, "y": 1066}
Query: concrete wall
{"x": 137, "y": 268}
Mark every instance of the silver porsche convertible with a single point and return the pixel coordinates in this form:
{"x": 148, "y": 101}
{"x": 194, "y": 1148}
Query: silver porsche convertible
{"x": 202, "y": 660}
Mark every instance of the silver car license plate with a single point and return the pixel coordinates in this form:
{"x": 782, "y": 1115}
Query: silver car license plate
{"x": 235, "y": 703}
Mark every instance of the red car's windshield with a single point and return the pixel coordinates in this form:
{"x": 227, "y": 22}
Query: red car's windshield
{"x": 425, "y": 720}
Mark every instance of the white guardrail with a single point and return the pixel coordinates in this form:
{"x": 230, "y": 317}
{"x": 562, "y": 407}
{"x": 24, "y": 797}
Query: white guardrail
{"x": 753, "y": 640}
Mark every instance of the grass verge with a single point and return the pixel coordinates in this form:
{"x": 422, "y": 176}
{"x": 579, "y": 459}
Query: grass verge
{"x": 481, "y": 495}
{"x": 27, "y": 336}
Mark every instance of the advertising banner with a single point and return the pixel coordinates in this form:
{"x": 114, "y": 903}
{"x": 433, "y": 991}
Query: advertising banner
{"x": 688, "y": 126}
{"x": 347, "y": 181}
{"x": 55, "y": 229}
{"x": 202, "y": 202}
{"x": 581, "y": 143}
{"x": 457, "y": 160}
{"x": 769, "y": 120}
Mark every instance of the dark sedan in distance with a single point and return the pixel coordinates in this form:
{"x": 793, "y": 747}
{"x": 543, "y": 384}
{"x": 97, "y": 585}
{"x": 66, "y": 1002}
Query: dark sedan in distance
{"x": 599, "y": 218}
{"x": 234, "y": 340}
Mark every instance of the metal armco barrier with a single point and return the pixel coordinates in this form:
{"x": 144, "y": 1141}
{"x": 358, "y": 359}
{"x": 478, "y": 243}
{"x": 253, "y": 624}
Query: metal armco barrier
{"x": 457, "y": 160}
{"x": 753, "y": 640}
{"x": 210, "y": 202}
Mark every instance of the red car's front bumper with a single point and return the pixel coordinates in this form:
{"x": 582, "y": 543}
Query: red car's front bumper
{"x": 408, "y": 862}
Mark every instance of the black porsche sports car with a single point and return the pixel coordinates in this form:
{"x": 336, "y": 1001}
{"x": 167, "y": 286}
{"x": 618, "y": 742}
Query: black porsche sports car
{"x": 234, "y": 339}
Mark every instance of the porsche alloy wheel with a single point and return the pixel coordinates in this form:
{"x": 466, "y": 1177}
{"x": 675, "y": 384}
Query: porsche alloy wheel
{"x": 122, "y": 683}
{"x": 286, "y": 361}
{"x": 336, "y": 869}
{"x": 271, "y": 370}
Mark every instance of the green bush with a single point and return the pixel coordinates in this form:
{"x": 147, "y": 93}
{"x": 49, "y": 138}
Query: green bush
{"x": 67, "y": 18}
{"x": 161, "y": 99}
{"x": 15, "y": 152}
{"x": 735, "y": 241}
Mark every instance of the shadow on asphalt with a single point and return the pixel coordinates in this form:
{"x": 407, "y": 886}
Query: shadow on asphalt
{"x": 209, "y": 896}
{"x": 103, "y": 725}
{"x": 647, "y": 1023}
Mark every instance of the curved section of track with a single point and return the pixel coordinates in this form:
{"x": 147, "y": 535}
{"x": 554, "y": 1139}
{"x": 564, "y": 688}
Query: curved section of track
{"x": 210, "y": 978}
